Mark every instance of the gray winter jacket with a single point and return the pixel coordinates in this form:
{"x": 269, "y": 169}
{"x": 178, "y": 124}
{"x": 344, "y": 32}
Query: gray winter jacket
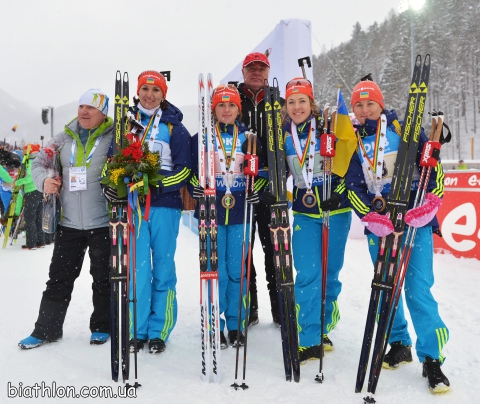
{"x": 87, "y": 209}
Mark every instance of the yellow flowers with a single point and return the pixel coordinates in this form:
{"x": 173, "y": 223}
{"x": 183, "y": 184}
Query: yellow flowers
{"x": 152, "y": 159}
{"x": 116, "y": 173}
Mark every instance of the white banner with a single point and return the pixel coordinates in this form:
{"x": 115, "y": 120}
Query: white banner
{"x": 289, "y": 41}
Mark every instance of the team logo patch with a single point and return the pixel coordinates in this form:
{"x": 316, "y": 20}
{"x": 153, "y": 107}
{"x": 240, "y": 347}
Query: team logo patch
{"x": 364, "y": 94}
{"x": 225, "y": 98}
{"x": 150, "y": 80}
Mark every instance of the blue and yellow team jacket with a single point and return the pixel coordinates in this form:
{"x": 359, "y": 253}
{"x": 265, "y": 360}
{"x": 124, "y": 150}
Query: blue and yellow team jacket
{"x": 235, "y": 214}
{"x": 299, "y": 187}
{"x": 173, "y": 143}
{"x": 359, "y": 185}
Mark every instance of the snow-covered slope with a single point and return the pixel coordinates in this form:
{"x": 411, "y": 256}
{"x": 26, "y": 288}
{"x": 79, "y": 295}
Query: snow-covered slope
{"x": 174, "y": 376}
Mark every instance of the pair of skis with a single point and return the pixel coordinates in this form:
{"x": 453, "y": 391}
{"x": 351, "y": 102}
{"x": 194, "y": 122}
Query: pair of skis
{"x": 385, "y": 279}
{"x": 207, "y": 231}
{"x": 121, "y": 232}
{"x": 280, "y": 232}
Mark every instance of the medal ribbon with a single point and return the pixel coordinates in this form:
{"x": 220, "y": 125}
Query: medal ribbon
{"x": 227, "y": 174}
{"x": 298, "y": 148}
{"x": 301, "y": 154}
{"x": 154, "y": 120}
{"x": 378, "y": 154}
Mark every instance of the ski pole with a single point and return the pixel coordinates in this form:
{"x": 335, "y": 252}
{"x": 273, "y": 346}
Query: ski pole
{"x": 251, "y": 167}
{"x": 235, "y": 385}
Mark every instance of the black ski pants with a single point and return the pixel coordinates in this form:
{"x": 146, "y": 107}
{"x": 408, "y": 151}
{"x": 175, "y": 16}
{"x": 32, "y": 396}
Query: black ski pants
{"x": 33, "y": 219}
{"x": 67, "y": 260}
{"x": 261, "y": 222}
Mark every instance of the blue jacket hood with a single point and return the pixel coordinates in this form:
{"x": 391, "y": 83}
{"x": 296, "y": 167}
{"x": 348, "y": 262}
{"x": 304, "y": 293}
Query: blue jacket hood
{"x": 172, "y": 115}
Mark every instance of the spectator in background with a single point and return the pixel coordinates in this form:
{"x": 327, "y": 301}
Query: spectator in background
{"x": 462, "y": 165}
{"x": 33, "y": 204}
{"x": 10, "y": 164}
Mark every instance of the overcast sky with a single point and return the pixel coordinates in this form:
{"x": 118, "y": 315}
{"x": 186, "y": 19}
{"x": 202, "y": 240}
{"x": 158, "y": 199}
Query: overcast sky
{"x": 51, "y": 51}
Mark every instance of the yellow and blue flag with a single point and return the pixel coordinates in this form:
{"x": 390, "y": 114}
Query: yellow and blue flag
{"x": 346, "y": 139}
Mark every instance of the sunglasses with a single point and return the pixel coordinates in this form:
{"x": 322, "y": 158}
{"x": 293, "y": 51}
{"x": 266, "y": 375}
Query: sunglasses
{"x": 298, "y": 82}
{"x": 222, "y": 87}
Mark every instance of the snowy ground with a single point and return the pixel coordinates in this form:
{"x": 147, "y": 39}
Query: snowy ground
{"x": 174, "y": 376}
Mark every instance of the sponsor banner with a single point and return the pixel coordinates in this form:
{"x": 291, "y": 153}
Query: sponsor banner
{"x": 459, "y": 215}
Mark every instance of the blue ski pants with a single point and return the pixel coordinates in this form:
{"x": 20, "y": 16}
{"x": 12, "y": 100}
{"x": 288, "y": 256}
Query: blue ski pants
{"x": 307, "y": 258}
{"x": 229, "y": 244}
{"x": 432, "y": 333}
{"x": 156, "y": 276}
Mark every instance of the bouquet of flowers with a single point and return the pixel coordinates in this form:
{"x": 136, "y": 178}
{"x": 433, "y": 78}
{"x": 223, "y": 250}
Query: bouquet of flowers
{"x": 136, "y": 166}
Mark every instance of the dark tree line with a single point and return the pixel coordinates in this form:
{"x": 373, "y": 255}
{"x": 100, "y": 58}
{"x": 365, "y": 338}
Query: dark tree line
{"x": 449, "y": 30}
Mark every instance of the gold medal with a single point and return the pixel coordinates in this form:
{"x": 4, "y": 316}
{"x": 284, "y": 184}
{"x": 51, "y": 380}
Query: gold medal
{"x": 379, "y": 204}
{"x": 309, "y": 200}
{"x": 228, "y": 201}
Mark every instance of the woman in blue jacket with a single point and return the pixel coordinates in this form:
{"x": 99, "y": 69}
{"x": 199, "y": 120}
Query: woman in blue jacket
{"x": 302, "y": 147}
{"x": 368, "y": 180}
{"x": 231, "y": 134}
{"x": 157, "y": 239}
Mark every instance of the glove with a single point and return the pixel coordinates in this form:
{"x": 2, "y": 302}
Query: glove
{"x": 422, "y": 215}
{"x": 268, "y": 198}
{"x": 379, "y": 225}
{"x": 331, "y": 203}
{"x": 198, "y": 192}
{"x": 253, "y": 198}
{"x": 112, "y": 195}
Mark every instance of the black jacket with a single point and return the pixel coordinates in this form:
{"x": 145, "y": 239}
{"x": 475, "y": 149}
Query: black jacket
{"x": 253, "y": 113}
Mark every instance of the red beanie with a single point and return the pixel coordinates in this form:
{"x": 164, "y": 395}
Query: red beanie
{"x": 154, "y": 78}
{"x": 299, "y": 85}
{"x": 367, "y": 90}
{"x": 226, "y": 93}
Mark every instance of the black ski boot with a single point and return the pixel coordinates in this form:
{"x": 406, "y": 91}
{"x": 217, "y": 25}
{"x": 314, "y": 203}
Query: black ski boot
{"x": 156, "y": 345}
{"x": 327, "y": 343}
{"x": 140, "y": 345}
{"x": 232, "y": 337}
{"x": 437, "y": 381}
{"x": 308, "y": 353}
{"x": 397, "y": 355}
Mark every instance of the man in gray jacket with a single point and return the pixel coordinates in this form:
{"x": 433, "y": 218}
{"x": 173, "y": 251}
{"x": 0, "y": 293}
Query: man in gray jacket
{"x": 83, "y": 147}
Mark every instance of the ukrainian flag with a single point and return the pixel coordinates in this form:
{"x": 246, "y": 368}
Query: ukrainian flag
{"x": 346, "y": 139}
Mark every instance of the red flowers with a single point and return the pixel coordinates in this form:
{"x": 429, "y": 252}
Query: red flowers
{"x": 134, "y": 150}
